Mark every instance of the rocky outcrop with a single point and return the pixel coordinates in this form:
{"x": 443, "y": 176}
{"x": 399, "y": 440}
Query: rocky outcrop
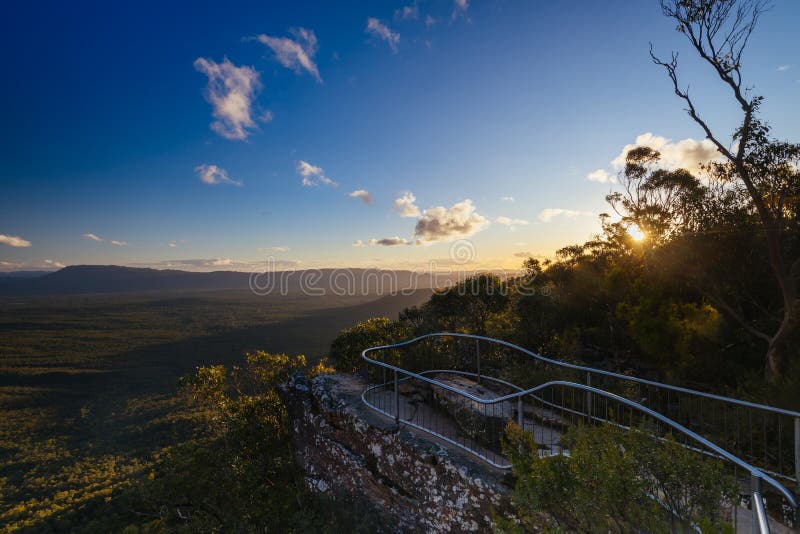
{"x": 409, "y": 479}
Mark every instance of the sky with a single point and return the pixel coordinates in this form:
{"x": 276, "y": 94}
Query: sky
{"x": 252, "y": 135}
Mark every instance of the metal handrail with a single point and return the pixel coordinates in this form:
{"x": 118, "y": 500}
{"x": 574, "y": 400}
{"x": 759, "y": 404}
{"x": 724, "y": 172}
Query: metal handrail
{"x": 754, "y": 471}
{"x": 756, "y": 474}
{"x": 764, "y": 407}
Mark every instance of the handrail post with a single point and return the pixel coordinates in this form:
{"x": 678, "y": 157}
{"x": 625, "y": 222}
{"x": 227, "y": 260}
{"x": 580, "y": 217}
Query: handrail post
{"x": 396, "y": 398}
{"x": 478, "y": 358}
{"x": 589, "y": 395}
{"x": 760, "y": 521}
{"x": 520, "y": 413}
{"x": 797, "y": 449}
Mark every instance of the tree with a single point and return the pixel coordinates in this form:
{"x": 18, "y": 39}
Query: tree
{"x": 661, "y": 202}
{"x": 468, "y": 305}
{"x": 239, "y": 473}
{"x": 346, "y": 349}
{"x": 766, "y": 169}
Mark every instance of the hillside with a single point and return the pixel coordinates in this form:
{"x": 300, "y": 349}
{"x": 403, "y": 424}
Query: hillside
{"x": 88, "y": 384}
{"x": 89, "y": 279}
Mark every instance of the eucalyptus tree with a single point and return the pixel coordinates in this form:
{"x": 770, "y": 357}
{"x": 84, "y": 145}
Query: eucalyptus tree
{"x": 764, "y": 169}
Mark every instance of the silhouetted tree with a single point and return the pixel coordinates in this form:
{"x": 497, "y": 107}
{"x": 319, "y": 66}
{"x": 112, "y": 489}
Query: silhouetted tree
{"x": 766, "y": 169}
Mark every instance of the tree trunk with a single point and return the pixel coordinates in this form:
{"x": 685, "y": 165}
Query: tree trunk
{"x": 779, "y": 349}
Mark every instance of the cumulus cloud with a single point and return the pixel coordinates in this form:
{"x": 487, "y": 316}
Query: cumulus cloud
{"x": 213, "y": 175}
{"x": 378, "y": 29}
{"x": 511, "y": 223}
{"x": 548, "y": 214}
{"x": 172, "y": 244}
{"x": 601, "y": 176}
{"x": 410, "y": 12}
{"x": 783, "y": 68}
{"x": 361, "y": 194}
{"x": 119, "y": 243}
{"x": 296, "y": 54}
{"x": 507, "y": 199}
{"x": 313, "y": 175}
{"x": 445, "y": 224}
{"x": 231, "y": 91}
{"x": 53, "y": 263}
{"x": 404, "y": 205}
{"x": 686, "y": 154}
{"x": 93, "y": 237}
{"x": 14, "y": 241}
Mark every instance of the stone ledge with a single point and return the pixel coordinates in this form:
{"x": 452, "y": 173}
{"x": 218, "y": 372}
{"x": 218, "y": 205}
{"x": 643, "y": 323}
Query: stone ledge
{"x": 406, "y": 476}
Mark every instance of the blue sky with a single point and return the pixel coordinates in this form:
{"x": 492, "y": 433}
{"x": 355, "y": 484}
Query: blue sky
{"x": 108, "y": 127}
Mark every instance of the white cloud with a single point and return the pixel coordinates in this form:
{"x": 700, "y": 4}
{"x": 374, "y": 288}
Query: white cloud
{"x": 267, "y": 116}
{"x": 507, "y": 199}
{"x": 14, "y": 241}
{"x": 44, "y": 265}
{"x": 548, "y": 214}
{"x": 172, "y": 244}
{"x": 359, "y": 244}
{"x": 313, "y": 175}
{"x": 93, "y": 237}
{"x": 460, "y": 7}
{"x": 220, "y": 264}
{"x": 430, "y": 21}
{"x": 361, "y": 194}
{"x": 213, "y": 175}
{"x": 687, "y": 154}
{"x": 296, "y": 54}
{"x": 446, "y": 224}
{"x": 119, "y": 243}
{"x": 783, "y": 68}
{"x": 511, "y": 223}
{"x": 410, "y": 12}
{"x": 231, "y": 91}
{"x": 404, "y": 205}
{"x": 601, "y": 176}
{"x": 382, "y": 31}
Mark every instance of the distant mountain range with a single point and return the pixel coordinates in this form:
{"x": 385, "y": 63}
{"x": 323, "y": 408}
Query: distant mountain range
{"x": 85, "y": 279}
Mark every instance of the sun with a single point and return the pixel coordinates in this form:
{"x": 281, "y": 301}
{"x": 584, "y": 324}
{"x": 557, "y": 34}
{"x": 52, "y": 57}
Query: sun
{"x": 635, "y": 232}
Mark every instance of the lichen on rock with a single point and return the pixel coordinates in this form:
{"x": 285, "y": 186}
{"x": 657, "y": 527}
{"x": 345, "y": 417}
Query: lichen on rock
{"x": 352, "y": 454}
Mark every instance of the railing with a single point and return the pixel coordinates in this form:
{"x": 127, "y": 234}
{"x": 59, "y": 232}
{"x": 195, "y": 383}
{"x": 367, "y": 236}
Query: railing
{"x": 463, "y": 388}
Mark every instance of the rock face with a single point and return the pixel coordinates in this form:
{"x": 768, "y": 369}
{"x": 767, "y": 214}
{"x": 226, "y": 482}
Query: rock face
{"x": 357, "y": 456}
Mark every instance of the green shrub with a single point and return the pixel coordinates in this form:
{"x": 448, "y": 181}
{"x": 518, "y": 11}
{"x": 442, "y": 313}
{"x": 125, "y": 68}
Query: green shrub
{"x": 615, "y": 481}
{"x": 239, "y": 473}
{"x": 345, "y": 352}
